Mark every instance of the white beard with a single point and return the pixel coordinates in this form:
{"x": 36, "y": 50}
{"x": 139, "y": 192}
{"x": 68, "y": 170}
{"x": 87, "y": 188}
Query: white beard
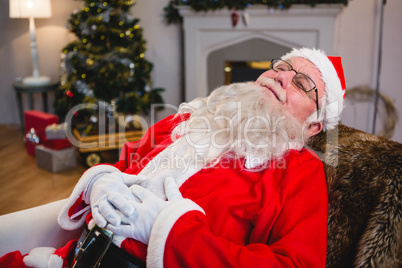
{"x": 241, "y": 120}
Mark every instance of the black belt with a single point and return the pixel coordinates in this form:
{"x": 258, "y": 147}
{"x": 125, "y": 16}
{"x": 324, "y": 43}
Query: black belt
{"x": 95, "y": 249}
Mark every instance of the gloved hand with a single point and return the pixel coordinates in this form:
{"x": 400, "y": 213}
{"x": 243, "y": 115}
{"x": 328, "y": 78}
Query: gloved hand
{"x": 109, "y": 193}
{"x": 139, "y": 224}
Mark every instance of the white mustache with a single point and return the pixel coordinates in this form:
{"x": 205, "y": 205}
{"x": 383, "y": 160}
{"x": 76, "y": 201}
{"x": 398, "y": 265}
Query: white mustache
{"x": 270, "y": 84}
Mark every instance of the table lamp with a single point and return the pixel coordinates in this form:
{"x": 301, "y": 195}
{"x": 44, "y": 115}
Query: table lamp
{"x": 32, "y": 9}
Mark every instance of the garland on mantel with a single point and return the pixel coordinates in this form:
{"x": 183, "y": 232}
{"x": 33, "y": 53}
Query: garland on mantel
{"x": 172, "y": 15}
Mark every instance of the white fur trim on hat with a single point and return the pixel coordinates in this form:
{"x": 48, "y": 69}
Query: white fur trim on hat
{"x": 333, "y": 107}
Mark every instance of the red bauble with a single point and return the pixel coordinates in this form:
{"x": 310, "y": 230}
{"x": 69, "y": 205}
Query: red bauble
{"x": 70, "y": 94}
{"x": 235, "y": 17}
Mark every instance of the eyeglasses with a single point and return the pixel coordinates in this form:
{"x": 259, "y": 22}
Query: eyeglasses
{"x": 300, "y": 80}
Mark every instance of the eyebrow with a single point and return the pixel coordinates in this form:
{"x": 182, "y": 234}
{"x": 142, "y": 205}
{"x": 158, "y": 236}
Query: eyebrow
{"x": 309, "y": 76}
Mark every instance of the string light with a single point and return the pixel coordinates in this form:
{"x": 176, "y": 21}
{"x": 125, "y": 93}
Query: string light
{"x": 90, "y": 62}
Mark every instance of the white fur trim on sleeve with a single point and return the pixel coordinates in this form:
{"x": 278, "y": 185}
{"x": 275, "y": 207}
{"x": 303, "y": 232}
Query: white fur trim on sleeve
{"x": 162, "y": 226}
{"x": 64, "y": 220}
{"x": 39, "y": 257}
{"x": 55, "y": 261}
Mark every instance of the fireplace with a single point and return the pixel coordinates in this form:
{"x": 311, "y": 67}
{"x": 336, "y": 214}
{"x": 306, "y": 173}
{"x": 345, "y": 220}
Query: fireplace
{"x": 242, "y": 71}
{"x": 212, "y": 44}
{"x": 240, "y": 62}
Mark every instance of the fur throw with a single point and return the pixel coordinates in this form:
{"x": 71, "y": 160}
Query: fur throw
{"x": 364, "y": 177}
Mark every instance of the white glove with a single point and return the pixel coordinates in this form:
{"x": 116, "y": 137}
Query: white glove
{"x": 139, "y": 224}
{"x": 110, "y": 193}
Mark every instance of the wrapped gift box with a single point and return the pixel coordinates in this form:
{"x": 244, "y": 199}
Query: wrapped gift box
{"x": 56, "y": 131}
{"x": 30, "y": 147}
{"x": 55, "y": 160}
{"x": 31, "y": 140}
{"x": 57, "y": 144}
{"x": 39, "y": 121}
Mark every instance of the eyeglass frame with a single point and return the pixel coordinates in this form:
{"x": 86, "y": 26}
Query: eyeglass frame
{"x": 271, "y": 67}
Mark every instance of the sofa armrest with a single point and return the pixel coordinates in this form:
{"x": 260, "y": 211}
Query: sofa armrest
{"x": 34, "y": 227}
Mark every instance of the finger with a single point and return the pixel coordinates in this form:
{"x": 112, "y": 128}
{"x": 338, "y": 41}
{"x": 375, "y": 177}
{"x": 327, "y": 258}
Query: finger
{"x": 141, "y": 193}
{"x": 121, "y": 203}
{"x": 98, "y": 218}
{"x": 172, "y": 190}
{"x": 120, "y": 230}
{"x": 91, "y": 224}
{"x": 130, "y": 179}
{"x": 109, "y": 212}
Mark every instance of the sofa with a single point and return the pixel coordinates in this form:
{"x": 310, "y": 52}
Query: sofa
{"x": 364, "y": 178}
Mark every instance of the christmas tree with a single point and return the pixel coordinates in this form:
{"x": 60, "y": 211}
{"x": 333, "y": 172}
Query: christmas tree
{"x": 107, "y": 63}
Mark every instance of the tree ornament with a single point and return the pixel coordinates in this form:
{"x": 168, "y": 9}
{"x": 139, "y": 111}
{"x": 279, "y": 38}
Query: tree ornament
{"x": 70, "y": 94}
{"x": 234, "y": 17}
{"x": 93, "y": 119}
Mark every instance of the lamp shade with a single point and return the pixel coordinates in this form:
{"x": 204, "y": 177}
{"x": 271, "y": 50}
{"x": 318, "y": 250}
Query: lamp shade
{"x": 30, "y": 9}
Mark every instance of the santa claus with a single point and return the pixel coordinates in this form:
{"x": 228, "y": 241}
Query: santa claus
{"x": 226, "y": 182}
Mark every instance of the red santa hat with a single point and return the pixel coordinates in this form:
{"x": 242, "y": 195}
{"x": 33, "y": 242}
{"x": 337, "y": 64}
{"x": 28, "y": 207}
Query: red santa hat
{"x": 333, "y": 78}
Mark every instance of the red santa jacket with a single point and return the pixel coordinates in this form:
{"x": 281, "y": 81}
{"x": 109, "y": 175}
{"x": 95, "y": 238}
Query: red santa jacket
{"x": 276, "y": 217}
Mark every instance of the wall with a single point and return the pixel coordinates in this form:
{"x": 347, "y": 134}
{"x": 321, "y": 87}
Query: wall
{"x": 15, "y": 52}
{"x": 355, "y": 40}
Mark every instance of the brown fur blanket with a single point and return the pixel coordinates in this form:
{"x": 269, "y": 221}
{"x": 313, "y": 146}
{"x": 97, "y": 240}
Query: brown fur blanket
{"x": 364, "y": 177}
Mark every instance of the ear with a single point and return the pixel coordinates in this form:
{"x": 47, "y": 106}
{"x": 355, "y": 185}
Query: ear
{"x": 314, "y": 129}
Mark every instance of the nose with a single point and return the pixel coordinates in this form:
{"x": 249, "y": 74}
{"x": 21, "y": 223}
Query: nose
{"x": 284, "y": 78}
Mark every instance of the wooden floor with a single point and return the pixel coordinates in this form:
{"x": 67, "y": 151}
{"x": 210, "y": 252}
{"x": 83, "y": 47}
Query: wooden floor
{"x": 22, "y": 184}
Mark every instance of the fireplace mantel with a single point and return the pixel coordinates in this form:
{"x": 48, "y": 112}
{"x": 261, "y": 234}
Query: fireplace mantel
{"x": 206, "y": 32}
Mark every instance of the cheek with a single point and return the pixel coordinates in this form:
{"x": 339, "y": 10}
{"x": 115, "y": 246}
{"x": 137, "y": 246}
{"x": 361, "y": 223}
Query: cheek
{"x": 269, "y": 74}
{"x": 299, "y": 107}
